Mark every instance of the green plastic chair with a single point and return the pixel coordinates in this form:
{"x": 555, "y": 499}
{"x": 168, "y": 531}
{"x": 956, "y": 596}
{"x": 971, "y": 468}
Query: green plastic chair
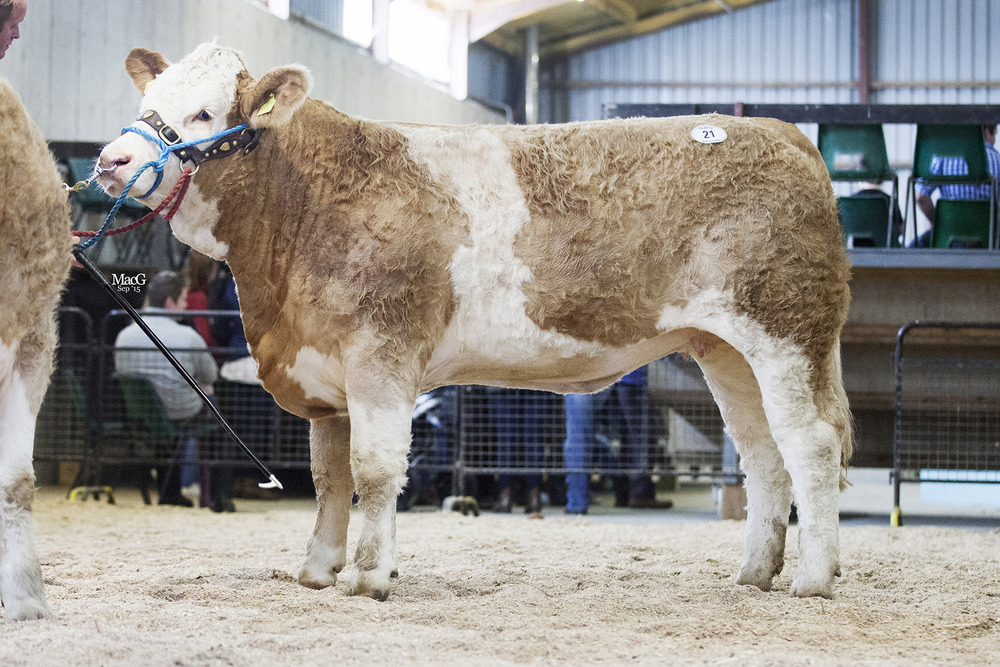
{"x": 857, "y": 153}
{"x": 146, "y": 416}
{"x": 104, "y": 439}
{"x": 143, "y": 407}
{"x": 961, "y": 223}
{"x": 950, "y": 141}
{"x": 863, "y": 221}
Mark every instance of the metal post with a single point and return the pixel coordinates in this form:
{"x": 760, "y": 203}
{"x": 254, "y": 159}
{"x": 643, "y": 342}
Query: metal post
{"x": 864, "y": 61}
{"x": 896, "y": 518}
{"x": 531, "y": 75}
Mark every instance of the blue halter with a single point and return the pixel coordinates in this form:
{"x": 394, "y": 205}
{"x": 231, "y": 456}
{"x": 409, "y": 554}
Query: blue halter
{"x": 167, "y": 148}
{"x": 174, "y": 146}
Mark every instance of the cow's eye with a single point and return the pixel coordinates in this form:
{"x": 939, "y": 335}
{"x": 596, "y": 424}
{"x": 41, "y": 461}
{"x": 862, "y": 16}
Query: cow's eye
{"x": 203, "y": 115}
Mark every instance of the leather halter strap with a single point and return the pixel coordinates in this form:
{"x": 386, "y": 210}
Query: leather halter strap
{"x": 245, "y": 140}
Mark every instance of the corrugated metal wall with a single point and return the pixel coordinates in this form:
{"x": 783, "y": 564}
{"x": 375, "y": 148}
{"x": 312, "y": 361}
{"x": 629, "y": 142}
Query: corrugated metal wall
{"x": 933, "y": 52}
{"x": 67, "y": 66}
{"x": 493, "y": 77}
{"x": 327, "y": 13}
{"x": 782, "y": 51}
{"x": 794, "y": 51}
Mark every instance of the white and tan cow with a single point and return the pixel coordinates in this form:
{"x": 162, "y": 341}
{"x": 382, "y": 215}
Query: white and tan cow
{"x": 375, "y": 261}
{"x": 34, "y": 263}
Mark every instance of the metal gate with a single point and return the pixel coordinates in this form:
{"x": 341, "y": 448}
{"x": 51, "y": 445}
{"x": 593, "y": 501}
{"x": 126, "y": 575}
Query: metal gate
{"x": 947, "y": 409}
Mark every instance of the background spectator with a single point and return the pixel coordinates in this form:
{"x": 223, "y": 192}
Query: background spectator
{"x": 518, "y": 419}
{"x": 12, "y": 12}
{"x": 248, "y": 407}
{"x": 633, "y": 400}
{"x": 135, "y": 354}
{"x": 955, "y": 166}
{"x": 202, "y": 273}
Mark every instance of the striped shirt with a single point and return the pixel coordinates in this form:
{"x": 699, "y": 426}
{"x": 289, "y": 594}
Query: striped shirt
{"x": 956, "y": 166}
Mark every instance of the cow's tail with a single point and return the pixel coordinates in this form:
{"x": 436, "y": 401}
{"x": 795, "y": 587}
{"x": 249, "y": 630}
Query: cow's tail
{"x": 841, "y": 415}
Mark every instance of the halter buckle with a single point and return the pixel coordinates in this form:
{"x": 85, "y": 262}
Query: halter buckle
{"x": 169, "y": 135}
{"x": 166, "y": 133}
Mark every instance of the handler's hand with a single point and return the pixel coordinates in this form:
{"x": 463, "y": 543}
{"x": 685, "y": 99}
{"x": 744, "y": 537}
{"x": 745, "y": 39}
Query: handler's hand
{"x": 76, "y": 241}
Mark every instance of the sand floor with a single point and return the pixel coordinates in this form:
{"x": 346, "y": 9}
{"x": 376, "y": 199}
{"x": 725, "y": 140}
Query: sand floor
{"x": 136, "y": 585}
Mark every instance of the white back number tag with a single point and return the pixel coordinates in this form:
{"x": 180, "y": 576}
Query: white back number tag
{"x": 708, "y": 134}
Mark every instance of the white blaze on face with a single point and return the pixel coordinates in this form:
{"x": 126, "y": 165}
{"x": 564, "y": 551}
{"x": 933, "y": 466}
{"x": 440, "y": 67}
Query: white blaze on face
{"x": 487, "y": 275}
{"x": 205, "y": 81}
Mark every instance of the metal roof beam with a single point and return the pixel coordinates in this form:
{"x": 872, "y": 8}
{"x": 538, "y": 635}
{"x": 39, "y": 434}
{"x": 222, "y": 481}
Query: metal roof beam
{"x": 617, "y": 9}
{"x": 668, "y": 19}
{"x": 482, "y": 23}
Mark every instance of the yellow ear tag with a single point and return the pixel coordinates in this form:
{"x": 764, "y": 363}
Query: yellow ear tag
{"x": 146, "y": 89}
{"x": 266, "y": 106}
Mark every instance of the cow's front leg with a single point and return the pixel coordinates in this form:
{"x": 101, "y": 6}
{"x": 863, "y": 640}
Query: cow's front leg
{"x": 380, "y": 440}
{"x": 330, "y": 460}
{"x": 21, "y": 590}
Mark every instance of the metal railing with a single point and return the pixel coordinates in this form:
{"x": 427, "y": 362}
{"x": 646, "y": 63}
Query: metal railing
{"x": 947, "y": 405}
{"x": 460, "y": 434}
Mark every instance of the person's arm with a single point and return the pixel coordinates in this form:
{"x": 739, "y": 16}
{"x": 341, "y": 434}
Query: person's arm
{"x": 126, "y": 362}
{"x": 205, "y": 371}
{"x": 926, "y": 205}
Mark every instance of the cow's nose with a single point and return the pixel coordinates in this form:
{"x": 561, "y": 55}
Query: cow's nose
{"x": 110, "y": 161}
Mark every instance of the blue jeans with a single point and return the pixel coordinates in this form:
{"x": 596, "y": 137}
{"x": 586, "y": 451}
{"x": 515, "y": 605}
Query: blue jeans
{"x": 188, "y": 461}
{"x": 518, "y": 417}
{"x": 578, "y": 449}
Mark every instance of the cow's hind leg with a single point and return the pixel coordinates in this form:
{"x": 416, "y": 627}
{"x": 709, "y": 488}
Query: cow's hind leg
{"x": 812, "y": 430}
{"x": 380, "y": 440}
{"x": 330, "y": 460}
{"x": 768, "y": 486}
{"x": 21, "y": 589}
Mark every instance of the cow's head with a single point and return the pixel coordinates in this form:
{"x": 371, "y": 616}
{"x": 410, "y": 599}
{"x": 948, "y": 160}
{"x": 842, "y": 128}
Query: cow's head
{"x": 200, "y": 96}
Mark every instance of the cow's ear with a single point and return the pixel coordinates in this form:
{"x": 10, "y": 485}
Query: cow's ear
{"x": 143, "y": 66}
{"x": 279, "y": 93}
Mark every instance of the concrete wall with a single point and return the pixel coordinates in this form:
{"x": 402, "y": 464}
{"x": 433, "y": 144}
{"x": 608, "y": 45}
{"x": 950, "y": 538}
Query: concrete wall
{"x": 68, "y": 69}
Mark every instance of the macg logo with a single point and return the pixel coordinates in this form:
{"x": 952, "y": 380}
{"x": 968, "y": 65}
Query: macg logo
{"x": 126, "y": 283}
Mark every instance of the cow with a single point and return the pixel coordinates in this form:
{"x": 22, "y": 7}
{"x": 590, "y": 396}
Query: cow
{"x": 34, "y": 263}
{"x": 377, "y": 260}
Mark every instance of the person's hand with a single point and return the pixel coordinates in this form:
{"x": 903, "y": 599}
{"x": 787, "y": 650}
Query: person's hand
{"x": 76, "y": 241}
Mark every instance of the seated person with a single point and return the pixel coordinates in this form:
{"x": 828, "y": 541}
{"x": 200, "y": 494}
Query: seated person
{"x": 136, "y": 355}
{"x": 246, "y": 404}
{"x": 951, "y": 166}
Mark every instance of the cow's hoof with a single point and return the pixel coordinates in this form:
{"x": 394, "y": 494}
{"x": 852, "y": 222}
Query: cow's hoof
{"x": 762, "y": 579}
{"x": 368, "y": 583}
{"x": 802, "y": 588}
{"x": 26, "y": 610}
{"x": 317, "y": 580}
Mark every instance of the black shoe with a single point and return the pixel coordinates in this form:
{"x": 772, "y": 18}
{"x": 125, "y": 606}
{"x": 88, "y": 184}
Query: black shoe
{"x": 570, "y": 512}
{"x": 534, "y": 506}
{"x": 504, "y": 502}
{"x": 650, "y": 504}
{"x": 180, "y": 501}
{"x": 223, "y": 505}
